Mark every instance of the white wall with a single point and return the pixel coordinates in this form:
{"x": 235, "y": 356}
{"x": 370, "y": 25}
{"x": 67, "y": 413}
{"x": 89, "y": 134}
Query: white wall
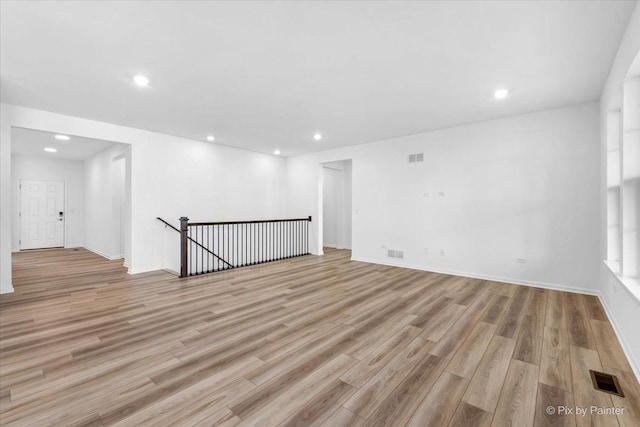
{"x": 105, "y": 184}
{"x": 520, "y": 187}
{"x": 6, "y": 204}
{"x": 40, "y": 168}
{"x": 170, "y": 177}
{"x": 204, "y": 182}
{"x": 622, "y": 307}
{"x": 336, "y": 213}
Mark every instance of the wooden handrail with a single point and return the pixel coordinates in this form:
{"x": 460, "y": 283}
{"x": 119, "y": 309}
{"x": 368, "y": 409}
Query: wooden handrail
{"x": 196, "y": 242}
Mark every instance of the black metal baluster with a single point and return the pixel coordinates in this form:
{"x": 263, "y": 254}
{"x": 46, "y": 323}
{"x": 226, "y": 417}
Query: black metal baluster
{"x": 197, "y": 249}
{"x": 208, "y": 247}
{"x": 210, "y": 241}
{"x": 193, "y": 254}
{"x": 225, "y": 244}
{"x": 290, "y": 239}
{"x": 190, "y": 251}
{"x": 195, "y": 235}
{"x": 217, "y": 261}
{"x": 280, "y": 241}
{"x": 259, "y": 248}
{"x": 202, "y": 250}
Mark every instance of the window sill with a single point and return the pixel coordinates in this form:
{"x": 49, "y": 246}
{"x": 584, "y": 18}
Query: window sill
{"x": 631, "y": 284}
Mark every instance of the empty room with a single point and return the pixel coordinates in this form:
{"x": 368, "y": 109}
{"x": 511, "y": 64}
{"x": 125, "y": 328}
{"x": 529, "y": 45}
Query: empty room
{"x": 320, "y": 213}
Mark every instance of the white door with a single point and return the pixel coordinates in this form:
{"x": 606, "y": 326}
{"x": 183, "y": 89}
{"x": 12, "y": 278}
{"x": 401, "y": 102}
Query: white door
{"x": 41, "y": 214}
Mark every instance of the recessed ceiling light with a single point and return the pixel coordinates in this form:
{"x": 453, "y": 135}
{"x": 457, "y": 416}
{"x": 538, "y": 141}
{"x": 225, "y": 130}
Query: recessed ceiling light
{"x": 50, "y": 150}
{"x": 501, "y": 93}
{"x": 211, "y": 138}
{"x": 317, "y": 136}
{"x": 277, "y": 152}
{"x": 62, "y": 137}
{"x": 141, "y": 80}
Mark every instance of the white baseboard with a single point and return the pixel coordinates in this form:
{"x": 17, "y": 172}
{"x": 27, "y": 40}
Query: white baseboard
{"x": 9, "y": 290}
{"x": 109, "y": 257}
{"x": 553, "y": 286}
{"x": 544, "y": 285}
{"x": 331, "y": 245}
{"x": 635, "y": 365}
{"x": 142, "y": 270}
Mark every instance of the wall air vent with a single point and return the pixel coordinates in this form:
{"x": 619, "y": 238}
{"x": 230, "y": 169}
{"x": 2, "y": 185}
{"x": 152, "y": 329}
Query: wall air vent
{"x": 393, "y": 253}
{"x": 418, "y": 157}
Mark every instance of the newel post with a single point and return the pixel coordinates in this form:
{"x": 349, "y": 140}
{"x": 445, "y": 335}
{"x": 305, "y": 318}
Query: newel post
{"x": 184, "y": 241}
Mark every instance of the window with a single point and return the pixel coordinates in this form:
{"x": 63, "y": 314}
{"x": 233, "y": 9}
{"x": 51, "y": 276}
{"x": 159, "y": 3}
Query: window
{"x": 623, "y": 182}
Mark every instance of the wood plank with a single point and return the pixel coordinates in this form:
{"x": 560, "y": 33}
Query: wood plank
{"x": 609, "y": 348}
{"x": 584, "y": 395}
{"x": 298, "y": 395}
{"x": 555, "y": 310}
{"x": 555, "y": 366}
{"x": 316, "y": 411}
{"x": 343, "y": 418}
{"x": 517, "y": 402}
{"x": 470, "y": 416}
{"x": 554, "y": 407}
{"x": 361, "y": 372}
{"x": 485, "y": 386}
{"x": 402, "y": 402}
{"x": 466, "y": 360}
{"x": 375, "y": 391}
{"x": 630, "y": 404}
{"x": 440, "y": 404}
{"x": 578, "y": 323}
{"x": 594, "y": 308}
{"x": 510, "y": 323}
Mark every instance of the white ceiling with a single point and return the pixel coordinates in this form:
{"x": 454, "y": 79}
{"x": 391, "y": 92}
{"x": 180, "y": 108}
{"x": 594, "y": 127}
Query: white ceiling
{"x": 31, "y": 142}
{"x": 266, "y": 75}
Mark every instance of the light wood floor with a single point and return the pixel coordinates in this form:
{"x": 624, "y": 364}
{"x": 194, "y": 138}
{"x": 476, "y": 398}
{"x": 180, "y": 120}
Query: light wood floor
{"x": 307, "y": 341}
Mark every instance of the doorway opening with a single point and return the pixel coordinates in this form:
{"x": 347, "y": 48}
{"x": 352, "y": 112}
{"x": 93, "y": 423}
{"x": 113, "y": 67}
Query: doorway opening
{"x": 70, "y": 192}
{"x": 337, "y": 205}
